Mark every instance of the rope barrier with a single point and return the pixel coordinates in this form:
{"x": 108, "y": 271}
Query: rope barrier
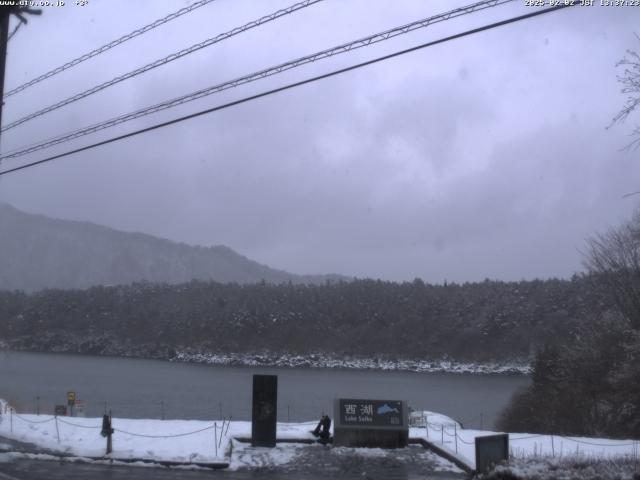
{"x": 166, "y": 436}
{"x": 599, "y": 444}
{"x": 441, "y": 426}
{"x": 525, "y": 437}
{"x": 77, "y": 425}
{"x": 32, "y": 421}
{"x": 464, "y": 441}
{"x": 438, "y": 427}
{"x": 595, "y": 444}
{"x": 444, "y": 427}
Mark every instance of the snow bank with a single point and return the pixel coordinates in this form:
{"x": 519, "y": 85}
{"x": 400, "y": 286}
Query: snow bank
{"x": 194, "y": 441}
{"x": 187, "y": 441}
{"x": 447, "y": 433}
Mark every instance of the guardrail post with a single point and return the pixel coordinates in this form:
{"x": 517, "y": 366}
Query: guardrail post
{"x": 426, "y": 424}
{"x": 57, "y": 429}
{"x": 228, "y": 422}
{"x": 215, "y": 437}
{"x": 455, "y": 432}
{"x": 221, "y": 434}
{"x": 107, "y": 431}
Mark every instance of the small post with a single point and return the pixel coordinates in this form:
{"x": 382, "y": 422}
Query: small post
{"x": 228, "y": 422}
{"x": 109, "y": 436}
{"x": 215, "y": 437}
{"x": 220, "y": 438}
{"x": 455, "y": 432}
{"x": 553, "y": 448}
{"x": 57, "y": 429}
{"x": 38, "y": 405}
{"x": 107, "y": 431}
{"x": 426, "y": 424}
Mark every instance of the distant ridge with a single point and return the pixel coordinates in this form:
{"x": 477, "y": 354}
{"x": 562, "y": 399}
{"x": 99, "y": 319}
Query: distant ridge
{"x": 39, "y": 252}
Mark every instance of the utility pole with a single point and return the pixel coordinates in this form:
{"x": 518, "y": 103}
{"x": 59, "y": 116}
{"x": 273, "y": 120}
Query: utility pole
{"x": 4, "y": 38}
{"x": 5, "y": 15}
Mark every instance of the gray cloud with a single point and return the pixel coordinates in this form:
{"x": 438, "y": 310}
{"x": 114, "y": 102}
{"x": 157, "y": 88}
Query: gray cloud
{"x": 483, "y": 157}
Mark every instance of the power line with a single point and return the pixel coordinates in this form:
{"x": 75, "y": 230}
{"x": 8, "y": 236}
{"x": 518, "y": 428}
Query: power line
{"x": 163, "y": 61}
{"x": 108, "y": 46}
{"x": 290, "y": 86}
{"x": 343, "y": 48}
{"x": 15, "y": 29}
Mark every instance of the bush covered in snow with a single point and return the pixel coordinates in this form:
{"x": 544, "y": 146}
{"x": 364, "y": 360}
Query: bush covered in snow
{"x": 568, "y": 468}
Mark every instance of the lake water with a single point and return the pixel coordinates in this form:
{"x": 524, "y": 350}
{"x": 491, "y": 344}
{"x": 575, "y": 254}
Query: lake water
{"x": 150, "y": 388}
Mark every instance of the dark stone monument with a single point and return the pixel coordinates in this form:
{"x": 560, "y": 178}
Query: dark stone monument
{"x": 264, "y": 410}
{"x": 490, "y": 451}
{"x": 370, "y": 423}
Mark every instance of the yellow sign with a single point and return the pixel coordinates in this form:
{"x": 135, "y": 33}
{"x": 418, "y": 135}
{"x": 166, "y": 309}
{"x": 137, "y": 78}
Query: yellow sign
{"x": 71, "y": 398}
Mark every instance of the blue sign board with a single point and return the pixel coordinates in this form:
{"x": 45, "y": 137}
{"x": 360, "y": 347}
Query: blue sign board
{"x": 372, "y": 413}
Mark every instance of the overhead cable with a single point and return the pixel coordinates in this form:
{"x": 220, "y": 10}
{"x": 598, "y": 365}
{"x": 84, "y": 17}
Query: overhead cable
{"x": 343, "y": 48}
{"x": 162, "y": 61}
{"x": 108, "y": 46}
{"x": 289, "y": 86}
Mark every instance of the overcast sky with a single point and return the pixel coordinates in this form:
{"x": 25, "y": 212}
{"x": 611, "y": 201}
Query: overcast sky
{"x": 482, "y": 157}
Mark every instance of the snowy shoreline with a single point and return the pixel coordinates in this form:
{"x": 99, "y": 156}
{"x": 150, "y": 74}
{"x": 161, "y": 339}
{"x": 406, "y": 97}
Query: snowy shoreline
{"x": 319, "y": 360}
{"x": 322, "y": 360}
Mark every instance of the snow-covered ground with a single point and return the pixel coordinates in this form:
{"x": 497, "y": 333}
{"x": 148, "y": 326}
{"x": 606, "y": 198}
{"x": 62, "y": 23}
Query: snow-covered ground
{"x": 188, "y": 441}
{"x": 446, "y": 432}
{"x": 191, "y": 441}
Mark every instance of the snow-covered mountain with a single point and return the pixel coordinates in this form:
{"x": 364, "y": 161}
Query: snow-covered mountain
{"x": 40, "y": 252}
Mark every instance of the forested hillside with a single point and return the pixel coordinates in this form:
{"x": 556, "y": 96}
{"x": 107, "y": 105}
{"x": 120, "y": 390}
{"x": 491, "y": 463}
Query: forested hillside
{"x": 471, "y": 322}
{"x": 41, "y": 252}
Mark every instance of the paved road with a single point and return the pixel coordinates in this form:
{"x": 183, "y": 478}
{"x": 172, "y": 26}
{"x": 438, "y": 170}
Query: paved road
{"x": 310, "y": 463}
{"x": 40, "y": 469}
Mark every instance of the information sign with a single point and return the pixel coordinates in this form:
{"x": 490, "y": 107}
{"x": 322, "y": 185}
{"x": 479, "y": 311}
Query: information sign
{"x": 378, "y": 413}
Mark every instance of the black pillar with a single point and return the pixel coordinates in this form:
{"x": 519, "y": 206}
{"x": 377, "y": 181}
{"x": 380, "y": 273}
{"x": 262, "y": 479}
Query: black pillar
{"x": 264, "y": 411}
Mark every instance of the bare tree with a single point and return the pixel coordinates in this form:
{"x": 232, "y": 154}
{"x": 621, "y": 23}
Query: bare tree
{"x": 614, "y": 260}
{"x": 630, "y": 80}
